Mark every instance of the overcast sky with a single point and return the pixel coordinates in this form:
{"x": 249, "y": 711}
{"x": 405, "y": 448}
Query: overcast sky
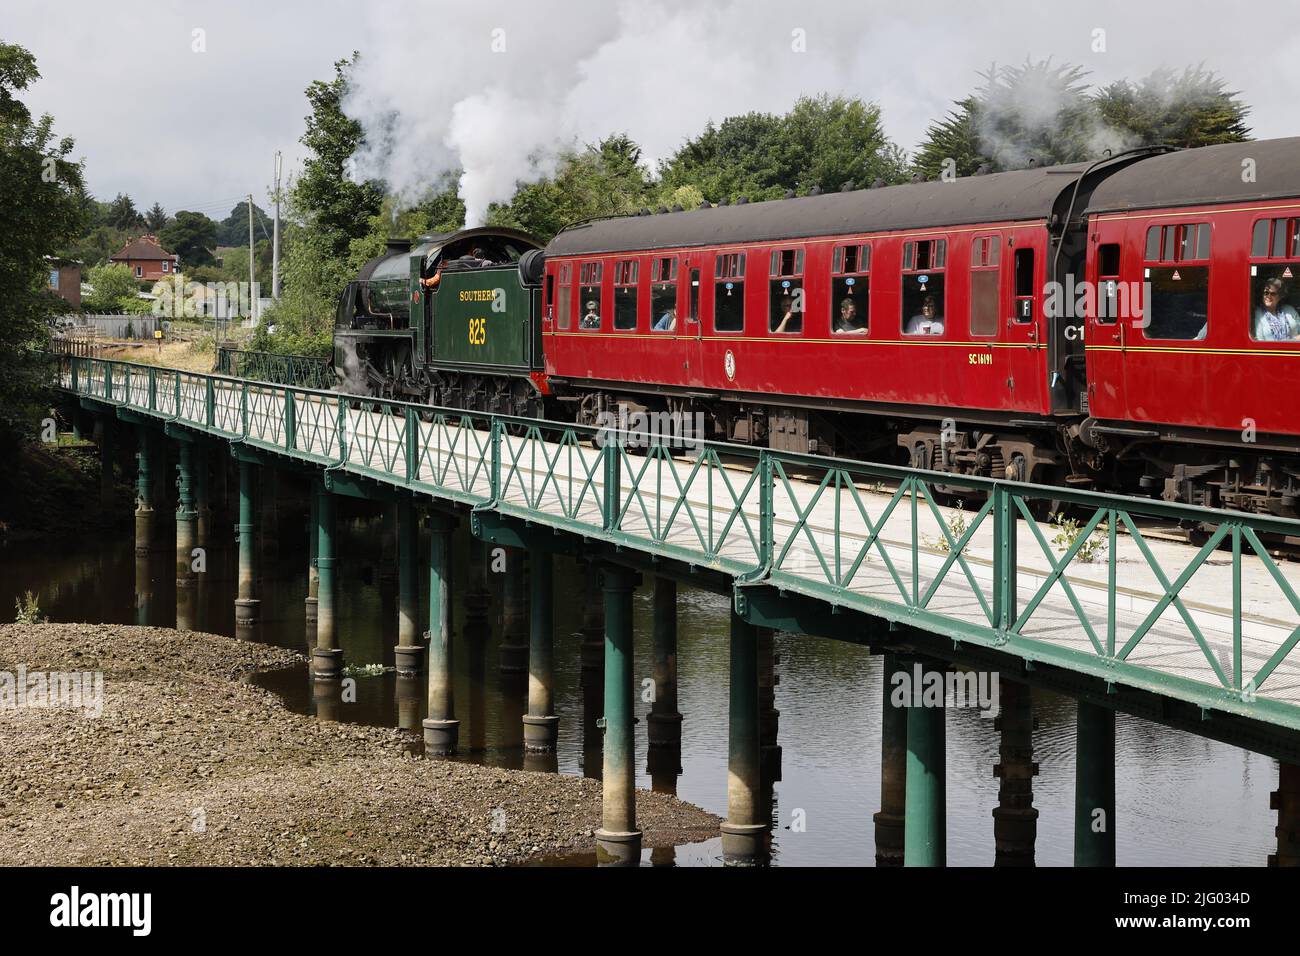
{"x": 492, "y": 89}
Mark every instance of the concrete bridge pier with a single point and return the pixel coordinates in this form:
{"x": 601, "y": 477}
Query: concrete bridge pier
{"x": 247, "y": 604}
{"x": 744, "y": 832}
{"x": 144, "y": 512}
{"x": 925, "y": 839}
{"x": 618, "y": 841}
{"x": 388, "y": 548}
{"x": 513, "y": 651}
{"x": 409, "y": 653}
{"x": 1015, "y": 820}
{"x": 313, "y": 573}
{"x": 327, "y": 656}
{"x": 664, "y": 723}
{"x": 890, "y": 820}
{"x": 541, "y": 725}
{"x": 186, "y": 521}
{"x": 410, "y": 703}
{"x": 441, "y": 728}
{"x": 1286, "y": 801}
{"x": 1094, "y": 790}
{"x": 202, "y": 496}
{"x": 143, "y": 589}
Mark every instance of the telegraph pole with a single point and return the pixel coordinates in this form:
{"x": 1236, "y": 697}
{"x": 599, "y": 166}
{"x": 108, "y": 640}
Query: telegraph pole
{"x": 275, "y": 235}
{"x": 252, "y": 282}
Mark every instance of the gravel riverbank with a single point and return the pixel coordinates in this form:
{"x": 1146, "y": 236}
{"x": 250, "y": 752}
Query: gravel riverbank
{"x": 188, "y": 764}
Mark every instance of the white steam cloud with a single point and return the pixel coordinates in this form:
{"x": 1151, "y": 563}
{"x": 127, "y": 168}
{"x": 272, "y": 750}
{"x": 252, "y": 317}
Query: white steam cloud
{"x": 498, "y": 93}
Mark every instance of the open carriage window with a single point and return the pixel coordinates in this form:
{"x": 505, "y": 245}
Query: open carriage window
{"x": 1274, "y": 269}
{"x": 625, "y": 294}
{"x": 663, "y": 294}
{"x": 589, "y": 295}
{"x": 850, "y": 289}
{"x": 923, "y": 286}
{"x": 729, "y": 292}
{"x": 785, "y": 291}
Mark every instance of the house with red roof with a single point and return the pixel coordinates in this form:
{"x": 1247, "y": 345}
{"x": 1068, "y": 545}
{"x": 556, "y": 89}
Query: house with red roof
{"x": 147, "y": 259}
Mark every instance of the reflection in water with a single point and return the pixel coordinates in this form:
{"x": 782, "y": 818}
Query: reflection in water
{"x": 1182, "y": 800}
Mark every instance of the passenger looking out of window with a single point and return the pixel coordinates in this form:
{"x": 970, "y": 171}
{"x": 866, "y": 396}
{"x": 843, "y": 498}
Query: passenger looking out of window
{"x": 1274, "y": 320}
{"x": 667, "y": 322}
{"x": 791, "y": 318}
{"x": 927, "y": 321}
{"x": 590, "y": 318}
{"x": 848, "y": 320}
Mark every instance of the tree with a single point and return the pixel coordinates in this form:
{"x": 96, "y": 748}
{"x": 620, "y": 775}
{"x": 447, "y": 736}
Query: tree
{"x": 43, "y": 210}
{"x": 112, "y": 285}
{"x": 155, "y": 219}
{"x": 233, "y": 230}
{"x": 1186, "y": 109}
{"x": 121, "y": 214}
{"x": 192, "y": 236}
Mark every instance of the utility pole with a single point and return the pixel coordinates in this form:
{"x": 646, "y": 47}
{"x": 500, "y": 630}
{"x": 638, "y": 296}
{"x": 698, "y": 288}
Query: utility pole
{"x": 252, "y": 282}
{"x": 275, "y": 234}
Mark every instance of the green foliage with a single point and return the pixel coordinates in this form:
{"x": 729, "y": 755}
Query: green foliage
{"x": 1186, "y": 109}
{"x": 43, "y": 209}
{"x": 823, "y": 141}
{"x": 113, "y": 284}
{"x": 233, "y": 230}
{"x": 155, "y": 219}
{"x": 1068, "y": 531}
{"x": 1046, "y": 112}
{"x": 192, "y": 236}
{"x": 121, "y": 214}
{"x": 29, "y": 609}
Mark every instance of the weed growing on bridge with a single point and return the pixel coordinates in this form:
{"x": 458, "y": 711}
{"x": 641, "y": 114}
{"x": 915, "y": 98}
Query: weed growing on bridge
{"x": 957, "y": 524}
{"x": 1068, "y": 531}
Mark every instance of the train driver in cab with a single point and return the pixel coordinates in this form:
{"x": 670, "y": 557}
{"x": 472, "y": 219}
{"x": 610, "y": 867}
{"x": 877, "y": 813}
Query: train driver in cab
{"x": 926, "y": 322}
{"x": 1275, "y": 321}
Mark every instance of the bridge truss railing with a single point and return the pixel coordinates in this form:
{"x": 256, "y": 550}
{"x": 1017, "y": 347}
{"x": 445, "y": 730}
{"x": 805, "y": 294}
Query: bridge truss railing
{"x": 1078, "y": 578}
{"x": 306, "y": 371}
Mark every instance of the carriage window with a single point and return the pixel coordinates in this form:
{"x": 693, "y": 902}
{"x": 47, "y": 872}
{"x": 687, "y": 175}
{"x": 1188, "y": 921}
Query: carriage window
{"x": 729, "y": 293}
{"x": 785, "y": 291}
{"x": 1179, "y": 291}
{"x": 625, "y": 288}
{"x": 663, "y": 294}
{"x": 1108, "y": 301}
{"x": 564, "y": 299}
{"x": 850, "y": 289}
{"x": 693, "y": 315}
{"x": 985, "y": 257}
{"x": 923, "y": 286}
{"x": 589, "y": 295}
{"x": 1274, "y": 303}
{"x": 1024, "y": 266}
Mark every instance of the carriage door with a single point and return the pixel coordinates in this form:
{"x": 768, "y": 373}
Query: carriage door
{"x": 1027, "y": 368}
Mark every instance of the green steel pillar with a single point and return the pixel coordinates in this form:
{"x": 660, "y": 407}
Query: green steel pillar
{"x": 513, "y": 652}
{"x": 441, "y": 728}
{"x": 313, "y": 575}
{"x": 144, "y": 513}
{"x": 388, "y": 548}
{"x": 541, "y": 723}
{"x": 1015, "y": 820}
{"x": 1094, "y": 788}
{"x": 925, "y": 839}
{"x": 744, "y": 832}
{"x": 326, "y": 657}
{"x": 185, "y": 530}
{"x": 269, "y": 517}
{"x": 247, "y": 605}
{"x": 618, "y": 841}
{"x": 409, "y": 653}
{"x": 893, "y": 770}
{"x": 1286, "y": 801}
{"x": 591, "y": 679}
{"x": 664, "y": 724}
{"x": 76, "y": 424}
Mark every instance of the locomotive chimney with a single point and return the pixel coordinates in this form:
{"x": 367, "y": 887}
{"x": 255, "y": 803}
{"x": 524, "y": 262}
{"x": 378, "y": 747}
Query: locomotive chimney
{"x": 398, "y": 245}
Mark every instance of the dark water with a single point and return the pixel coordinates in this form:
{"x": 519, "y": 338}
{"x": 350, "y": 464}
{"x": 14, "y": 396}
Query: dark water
{"x": 1181, "y": 800}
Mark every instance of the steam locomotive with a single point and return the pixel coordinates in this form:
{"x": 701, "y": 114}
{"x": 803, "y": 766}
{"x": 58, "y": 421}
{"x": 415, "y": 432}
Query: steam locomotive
{"x": 1126, "y": 324}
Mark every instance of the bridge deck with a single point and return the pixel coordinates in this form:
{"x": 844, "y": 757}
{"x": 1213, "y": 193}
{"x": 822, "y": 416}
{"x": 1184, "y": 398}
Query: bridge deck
{"x": 1216, "y": 625}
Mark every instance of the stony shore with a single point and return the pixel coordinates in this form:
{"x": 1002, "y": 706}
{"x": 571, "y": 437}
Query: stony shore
{"x": 190, "y": 765}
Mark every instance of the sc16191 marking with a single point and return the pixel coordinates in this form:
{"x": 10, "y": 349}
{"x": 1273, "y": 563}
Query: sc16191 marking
{"x": 980, "y": 358}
